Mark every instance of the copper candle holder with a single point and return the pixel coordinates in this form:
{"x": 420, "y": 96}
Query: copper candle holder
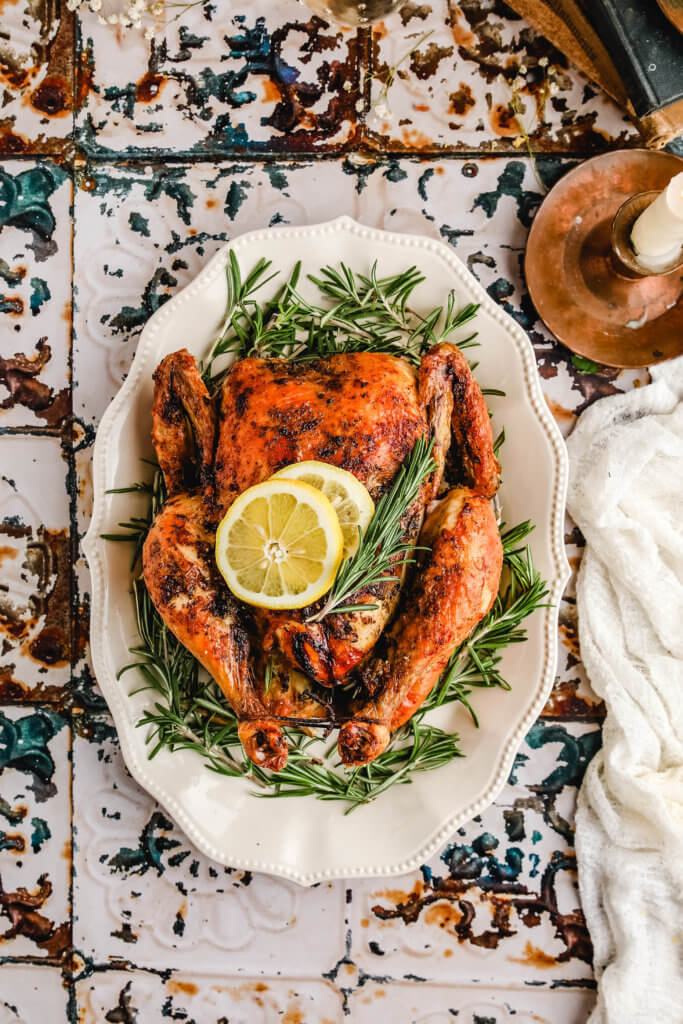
{"x": 581, "y": 270}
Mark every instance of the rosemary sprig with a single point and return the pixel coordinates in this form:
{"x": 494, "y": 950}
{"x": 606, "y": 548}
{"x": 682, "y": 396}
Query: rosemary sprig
{"x": 190, "y": 712}
{"x": 362, "y": 313}
{"x": 381, "y": 553}
{"x": 429, "y": 748}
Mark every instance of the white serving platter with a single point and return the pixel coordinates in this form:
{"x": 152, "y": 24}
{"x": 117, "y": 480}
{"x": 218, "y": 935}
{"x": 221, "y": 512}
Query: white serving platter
{"x": 304, "y": 839}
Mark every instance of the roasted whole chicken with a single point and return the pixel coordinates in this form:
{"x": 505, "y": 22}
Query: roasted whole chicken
{"x": 362, "y": 412}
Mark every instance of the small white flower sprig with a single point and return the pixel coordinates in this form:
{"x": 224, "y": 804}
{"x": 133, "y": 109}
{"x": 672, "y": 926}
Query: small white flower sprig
{"x": 140, "y": 15}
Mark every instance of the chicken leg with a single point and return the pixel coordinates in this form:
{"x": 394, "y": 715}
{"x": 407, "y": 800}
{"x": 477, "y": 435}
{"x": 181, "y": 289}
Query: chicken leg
{"x": 453, "y": 588}
{"x": 191, "y": 597}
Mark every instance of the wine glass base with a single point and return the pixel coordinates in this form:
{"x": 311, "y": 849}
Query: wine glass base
{"x": 577, "y": 292}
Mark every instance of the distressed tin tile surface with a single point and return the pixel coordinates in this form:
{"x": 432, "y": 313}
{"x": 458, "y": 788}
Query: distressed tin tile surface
{"x": 163, "y": 903}
{"x": 26, "y": 992}
{"x": 164, "y": 159}
{"x": 35, "y": 595}
{"x": 475, "y": 76}
{"x": 499, "y": 903}
{"x": 441, "y": 1004}
{"x": 35, "y": 294}
{"x": 35, "y": 834}
{"x": 199, "y": 998}
{"x": 226, "y": 79}
{"x": 36, "y": 77}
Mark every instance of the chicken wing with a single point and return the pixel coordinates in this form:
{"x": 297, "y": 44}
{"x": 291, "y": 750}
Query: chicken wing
{"x": 181, "y": 401}
{"x": 459, "y": 420}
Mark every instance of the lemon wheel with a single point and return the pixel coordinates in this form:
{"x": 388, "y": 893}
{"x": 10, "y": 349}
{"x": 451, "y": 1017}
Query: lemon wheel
{"x": 349, "y": 498}
{"x": 280, "y": 544}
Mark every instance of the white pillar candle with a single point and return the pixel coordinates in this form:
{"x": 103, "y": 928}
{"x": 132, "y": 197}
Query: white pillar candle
{"x": 657, "y": 235}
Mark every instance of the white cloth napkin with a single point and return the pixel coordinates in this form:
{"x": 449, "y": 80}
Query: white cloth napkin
{"x": 626, "y": 495}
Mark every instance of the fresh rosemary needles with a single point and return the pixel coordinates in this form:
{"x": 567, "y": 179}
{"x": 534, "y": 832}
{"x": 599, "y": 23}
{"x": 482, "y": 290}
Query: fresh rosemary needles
{"x": 381, "y": 552}
{"x": 363, "y": 313}
{"x": 355, "y": 313}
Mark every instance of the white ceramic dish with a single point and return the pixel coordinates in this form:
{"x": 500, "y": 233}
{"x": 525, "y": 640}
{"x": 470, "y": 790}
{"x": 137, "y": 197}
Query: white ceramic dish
{"x": 304, "y": 839}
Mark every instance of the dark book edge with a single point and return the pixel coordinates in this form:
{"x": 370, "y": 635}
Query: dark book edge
{"x": 629, "y": 62}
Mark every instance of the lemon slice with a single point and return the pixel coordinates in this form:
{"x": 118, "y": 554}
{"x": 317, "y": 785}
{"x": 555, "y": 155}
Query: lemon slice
{"x": 350, "y": 499}
{"x": 279, "y": 545}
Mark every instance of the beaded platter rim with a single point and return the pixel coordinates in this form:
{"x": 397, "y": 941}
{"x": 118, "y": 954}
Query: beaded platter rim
{"x": 131, "y": 739}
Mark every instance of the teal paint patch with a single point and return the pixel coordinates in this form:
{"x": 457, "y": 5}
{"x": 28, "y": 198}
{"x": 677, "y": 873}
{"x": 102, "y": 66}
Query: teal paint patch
{"x": 179, "y": 242}
{"x": 168, "y": 181}
{"x": 360, "y": 171}
{"x": 395, "y": 172}
{"x": 24, "y": 743}
{"x": 500, "y": 291}
{"x": 453, "y": 234}
{"x": 24, "y": 199}
{"x": 122, "y": 98}
{"x": 39, "y": 295}
{"x": 536, "y": 836}
{"x": 152, "y": 845}
{"x": 277, "y": 177}
{"x": 237, "y": 193}
{"x": 478, "y": 860}
{"x": 132, "y": 317}
{"x": 9, "y": 276}
{"x": 8, "y": 842}
{"x": 514, "y": 825}
{"x": 422, "y": 183}
{"x": 573, "y": 758}
{"x": 510, "y": 184}
{"x": 10, "y": 814}
{"x": 519, "y": 762}
{"x": 139, "y": 223}
{"x": 40, "y": 834}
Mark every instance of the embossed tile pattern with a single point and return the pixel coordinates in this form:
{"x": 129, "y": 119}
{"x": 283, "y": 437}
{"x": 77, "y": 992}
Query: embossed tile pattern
{"x": 35, "y": 834}
{"x": 199, "y": 999}
{"x": 490, "y": 929}
{"x": 226, "y": 79}
{"x": 162, "y": 902}
{"x": 441, "y": 1004}
{"x": 500, "y": 901}
{"x": 35, "y": 592}
{"x": 35, "y": 294}
{"x": 474, "y": 76}
{"x": 36, "y": 76}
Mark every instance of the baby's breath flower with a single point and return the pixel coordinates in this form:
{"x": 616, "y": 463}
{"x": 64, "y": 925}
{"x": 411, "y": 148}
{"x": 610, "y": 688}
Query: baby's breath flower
{"x": 113, "y": 19}
{"x": 149, "y": 33}
{"x": 543, "y": 62}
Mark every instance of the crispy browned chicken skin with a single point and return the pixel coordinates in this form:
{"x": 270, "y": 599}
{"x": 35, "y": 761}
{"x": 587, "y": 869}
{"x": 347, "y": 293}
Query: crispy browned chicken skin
{"x": 362, "y": 412}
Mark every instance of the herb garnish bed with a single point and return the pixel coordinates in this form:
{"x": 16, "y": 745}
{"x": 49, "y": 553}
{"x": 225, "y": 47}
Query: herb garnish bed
{"x": 189, "y": 711}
